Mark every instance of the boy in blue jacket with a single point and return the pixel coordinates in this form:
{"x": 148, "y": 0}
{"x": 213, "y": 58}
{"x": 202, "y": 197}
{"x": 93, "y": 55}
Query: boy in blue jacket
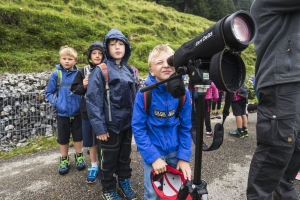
{"x": 67, "y": 105}
{"x": 109, "y": 106}
{"x": 162, "y": 139}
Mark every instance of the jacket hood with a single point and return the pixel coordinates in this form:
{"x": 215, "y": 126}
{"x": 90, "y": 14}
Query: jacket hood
{"x": 115, "y": 33}
{"x": 96, "y": 45}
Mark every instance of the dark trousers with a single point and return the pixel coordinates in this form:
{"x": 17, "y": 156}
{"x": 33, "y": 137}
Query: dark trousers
{"x": 207, "y": 115}
{"x": 114, "y": 159}
{"x": 218, "y": 103}
{"x": 276, "y": 160}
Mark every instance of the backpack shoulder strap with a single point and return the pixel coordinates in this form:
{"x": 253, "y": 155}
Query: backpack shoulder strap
{"x": 86, "y": 70}
{"x": 104, "y": 71}
{"x": 147, "y": 100}
{"x": 59, "y": 79}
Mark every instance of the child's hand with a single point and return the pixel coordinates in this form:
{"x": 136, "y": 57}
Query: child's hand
{"x": 103, "y": 137}
{"x": 85, "y": 82}
{"x": 185, "y": 168}
{"x": 159, "y": 166}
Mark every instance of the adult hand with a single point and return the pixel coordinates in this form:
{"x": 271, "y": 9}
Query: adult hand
{"x": 85, "y": 82}
{"x": 185, "y": 168}
{"x": 103, "y": 137}
{"x": 159, "y": 166}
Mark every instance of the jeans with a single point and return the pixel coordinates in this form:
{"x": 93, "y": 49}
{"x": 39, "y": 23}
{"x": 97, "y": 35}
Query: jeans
{"x": 149, "y": 192}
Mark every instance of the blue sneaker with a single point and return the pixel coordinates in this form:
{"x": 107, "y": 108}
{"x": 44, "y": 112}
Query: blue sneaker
{"x": 92, "y": 177}
{"x": 111, "y": 196}
{"x": 64, "y": 165}
{"x": 127, "y": 191}
{"x": 80, "y": 162}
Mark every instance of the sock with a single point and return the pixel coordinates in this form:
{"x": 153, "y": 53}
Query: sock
{"x": 64, "y": 157}
{"x": 245, "y": 128}
{"x": 79, "y": 154}
{"x": 95, "y": 164}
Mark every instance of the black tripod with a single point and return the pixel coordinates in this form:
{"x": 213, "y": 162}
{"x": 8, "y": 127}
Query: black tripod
{"x": 197, "y": 188}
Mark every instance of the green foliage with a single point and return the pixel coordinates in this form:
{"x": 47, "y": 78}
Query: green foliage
{"x": 32, "y": 146}
{"x": 32, "y": 31}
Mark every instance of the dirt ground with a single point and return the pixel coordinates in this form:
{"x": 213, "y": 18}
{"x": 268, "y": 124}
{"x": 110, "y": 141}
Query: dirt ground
{"x": 35, "y": 175}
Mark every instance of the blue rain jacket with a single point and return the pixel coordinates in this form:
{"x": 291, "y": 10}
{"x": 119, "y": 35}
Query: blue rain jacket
{"x": 66, "y": 102}
{"x": 159, "y": 132}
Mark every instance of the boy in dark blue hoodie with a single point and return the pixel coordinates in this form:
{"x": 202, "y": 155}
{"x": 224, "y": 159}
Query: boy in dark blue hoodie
{"x": 109, "y": 106}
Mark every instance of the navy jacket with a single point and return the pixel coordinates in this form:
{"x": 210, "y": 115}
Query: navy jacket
{"x": 121, "y": 88}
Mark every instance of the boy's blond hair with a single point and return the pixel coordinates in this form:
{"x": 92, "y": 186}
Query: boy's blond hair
{"x": 157, "y": 50}
{"x": 67, "y": 51}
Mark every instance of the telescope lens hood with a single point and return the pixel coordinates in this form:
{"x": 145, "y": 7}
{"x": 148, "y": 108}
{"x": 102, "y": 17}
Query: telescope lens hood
{"x": 227, "y": 70}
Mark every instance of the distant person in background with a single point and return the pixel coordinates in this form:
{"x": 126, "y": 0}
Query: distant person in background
{"x": 275, "y": 162}
{"x": 214, "y": 113}
{"x": 212, "y": 94}
{"x": 95, "y": 56}
{"x": 238, "y": 106}
{"x": 68, "y": 108}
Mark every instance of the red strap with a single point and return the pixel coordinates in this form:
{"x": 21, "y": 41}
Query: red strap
{"x": 104, "y": 70}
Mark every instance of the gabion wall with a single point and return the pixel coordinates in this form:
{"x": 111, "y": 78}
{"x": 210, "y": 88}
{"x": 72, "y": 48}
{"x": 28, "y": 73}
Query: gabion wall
{"x": 24, "y": 109}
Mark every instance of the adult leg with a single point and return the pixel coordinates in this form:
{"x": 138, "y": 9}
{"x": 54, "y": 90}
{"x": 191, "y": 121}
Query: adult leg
{"x": 277, "y": 131}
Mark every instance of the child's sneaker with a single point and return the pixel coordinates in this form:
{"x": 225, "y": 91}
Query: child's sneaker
{"x": 80, "y": 162}
{"x": 127, "y": 191}
{"x": 209, "y": 134}
{"x": 64, "y": 165}
{"x": 218, "y": 116}
{"x": 241, "y": 134}
{"x": 298, "y": 176}
{"x": 91, "y": 178}
{"x": 111, "y": 196}
{"x": 213, "y": 115}
{"x": 246, "y": 133}
{"x": 236, "y": 133}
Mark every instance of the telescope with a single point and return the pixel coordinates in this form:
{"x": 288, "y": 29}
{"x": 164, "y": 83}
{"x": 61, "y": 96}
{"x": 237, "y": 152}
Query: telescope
{"x": 216, "y": 52}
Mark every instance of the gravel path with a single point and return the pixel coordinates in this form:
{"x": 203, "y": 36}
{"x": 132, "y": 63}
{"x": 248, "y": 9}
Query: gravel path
{"x": 35, "y": 176}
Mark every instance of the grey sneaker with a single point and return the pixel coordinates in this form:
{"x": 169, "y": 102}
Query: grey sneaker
{"x": 236, "y": 133}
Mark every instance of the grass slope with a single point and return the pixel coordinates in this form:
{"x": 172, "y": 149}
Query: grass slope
{"x": 31, "y": 31}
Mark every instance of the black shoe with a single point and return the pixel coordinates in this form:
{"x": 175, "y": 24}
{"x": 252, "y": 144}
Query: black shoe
{"x": 246, "y": 133}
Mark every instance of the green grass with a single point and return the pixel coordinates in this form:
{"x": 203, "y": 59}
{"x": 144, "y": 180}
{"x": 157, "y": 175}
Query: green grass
{"x": 33, "y": 145}
{"x": 33, "y": 31}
